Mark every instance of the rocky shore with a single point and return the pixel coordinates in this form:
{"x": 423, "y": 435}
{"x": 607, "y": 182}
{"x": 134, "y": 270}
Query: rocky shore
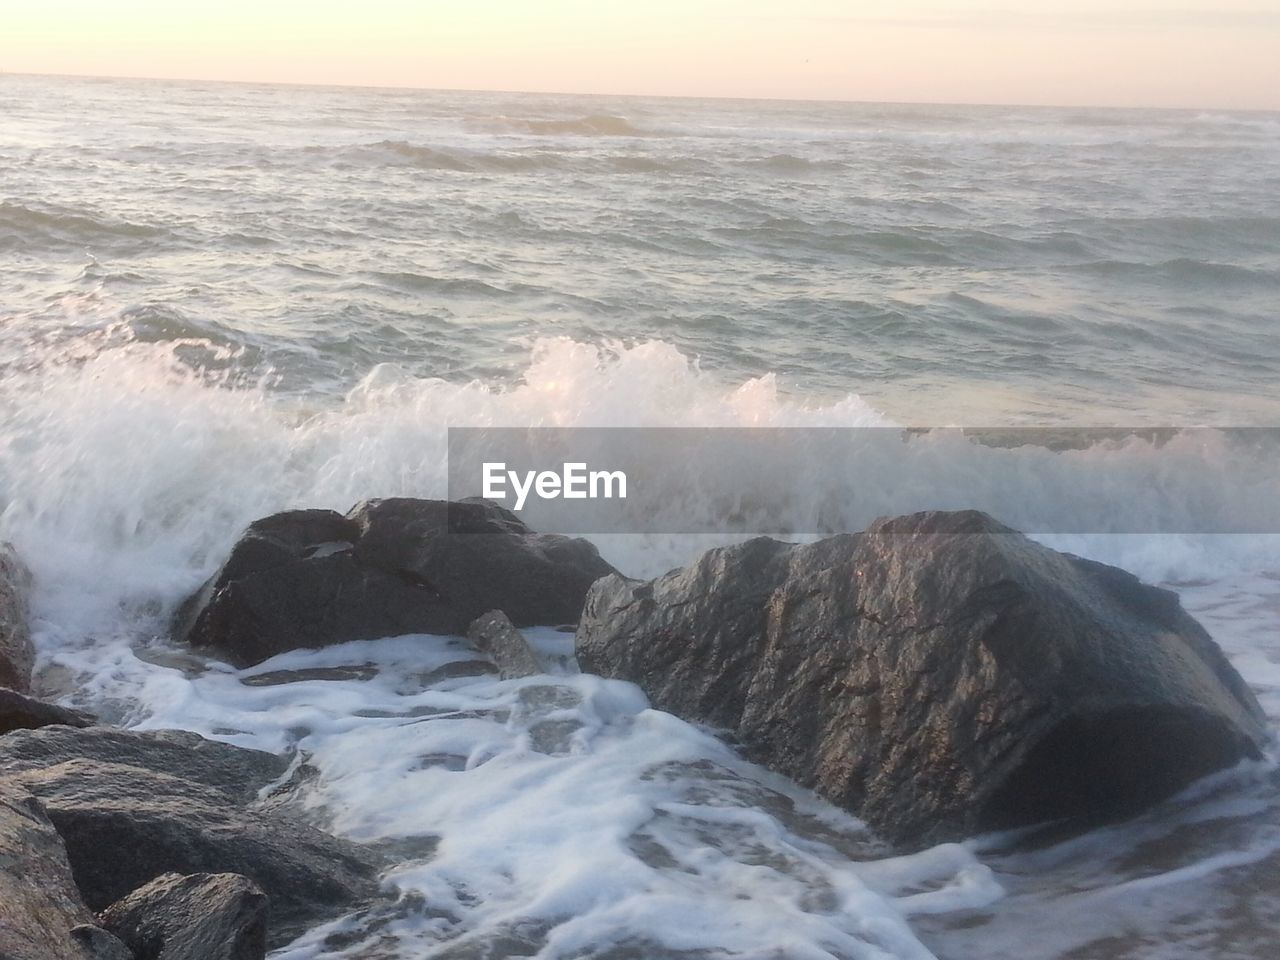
{"x": 939, "y": 675}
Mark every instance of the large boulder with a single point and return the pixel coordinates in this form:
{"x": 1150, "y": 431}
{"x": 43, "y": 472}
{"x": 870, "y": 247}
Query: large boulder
{"x": 42, "y": 916}
{"x": 16, "y": 651}
{"x": 939, "y": 674}
{"x": 311, "y": 578}
{"x": 204, "y": 916}
{"x": 134, "y": 806}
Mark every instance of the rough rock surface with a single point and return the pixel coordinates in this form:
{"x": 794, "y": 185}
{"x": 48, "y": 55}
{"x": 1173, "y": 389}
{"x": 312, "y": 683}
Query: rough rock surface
{"x": 497, "y": 638}
{"x": 20, "y": 712}
{"x": 312, "y": 578}
{"x": 133, "y": 806}
{"x": 41, "y": 914}
{"x": 16, "y": 652}
{"x": 204, "y": 916}
{"x": 939, "y": 674}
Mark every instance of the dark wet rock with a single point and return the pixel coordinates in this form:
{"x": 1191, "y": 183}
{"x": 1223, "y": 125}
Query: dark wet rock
{"x": 179, "y": 753}
{"x": 203, "y": 916}
{"x": 456, "y": 670}
{"x": 42, "y": 916}
{"x": 940, "y": 674}
{"x": 313, "y": 578}
{"x": 99, "y": 944}
{"x": 133, "y": 806}
{"x": 20, "y": 712}
{"x": 497, "y": 638}
{"x": 16, "y": 652}
{"x": 275, "y": 678}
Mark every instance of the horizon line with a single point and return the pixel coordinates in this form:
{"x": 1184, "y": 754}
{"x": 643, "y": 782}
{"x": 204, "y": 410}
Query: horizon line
{"x": 636, "y": 96}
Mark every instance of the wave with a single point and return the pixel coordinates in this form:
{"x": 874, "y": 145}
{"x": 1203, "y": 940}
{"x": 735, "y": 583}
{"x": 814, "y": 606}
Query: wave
{"x": 23, "y": 226}
{"x": 1184, "y": 270}
{"x": 115, "y": 526}
{"x": 591, "y": 125}
{"x": 474, "y": 160}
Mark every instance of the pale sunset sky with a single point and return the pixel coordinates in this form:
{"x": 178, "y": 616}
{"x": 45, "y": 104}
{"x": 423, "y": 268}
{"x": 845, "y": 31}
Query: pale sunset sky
{"x": 1193, "y": 53}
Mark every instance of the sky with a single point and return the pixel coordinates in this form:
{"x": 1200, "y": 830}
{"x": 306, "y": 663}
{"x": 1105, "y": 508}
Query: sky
{"x": 1197, "y": 53}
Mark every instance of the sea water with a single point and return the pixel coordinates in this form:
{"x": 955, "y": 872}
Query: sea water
{"x": 218, "y": 301}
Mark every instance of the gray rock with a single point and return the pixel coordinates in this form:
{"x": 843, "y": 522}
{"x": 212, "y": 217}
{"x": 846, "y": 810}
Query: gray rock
{"x": 99, "y": 944}
{"x": 134, "y": 806}
{"x": 940, "y": 674}
{"x": 20, "y": 712}
{"x": 41, "y": 914}
{"x": 16, "y": 652}
{"x": 313, "y": 578}
{"x": 204, "y": 916}
{"x": 497, "y": 638}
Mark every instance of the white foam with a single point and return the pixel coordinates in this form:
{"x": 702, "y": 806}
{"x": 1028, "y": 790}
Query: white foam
{"x": 569, "y": 814}
{"x": 567, "y": 811}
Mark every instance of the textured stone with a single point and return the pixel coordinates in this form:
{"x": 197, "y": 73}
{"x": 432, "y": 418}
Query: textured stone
{"x": 939, "y": 674}
{"x": 498, "y": 639}
{"x": 203, "y": 916}
{"x": 314, "y": 578}
{"x": 42, "y": 916}
{"x": 16, "y": 652}
{"x": 134, "y": 806}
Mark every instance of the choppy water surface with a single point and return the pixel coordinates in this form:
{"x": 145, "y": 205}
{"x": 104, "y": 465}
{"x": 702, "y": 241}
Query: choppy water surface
{"x": 219, "y": 300}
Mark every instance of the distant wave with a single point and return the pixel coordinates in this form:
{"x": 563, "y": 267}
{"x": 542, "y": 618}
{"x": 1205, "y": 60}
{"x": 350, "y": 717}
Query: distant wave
{"x": 424, "y": 157}
{"x": 1185, "y": 270}
{"x": 592, "y": 125}
{"x": 22, "y": 226}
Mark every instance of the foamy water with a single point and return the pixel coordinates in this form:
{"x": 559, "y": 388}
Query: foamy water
{"x": 223, "y": 301}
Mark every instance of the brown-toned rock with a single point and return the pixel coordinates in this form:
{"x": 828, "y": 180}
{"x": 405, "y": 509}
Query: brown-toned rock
{"x": 202, "y": 916}
{"x": 939, "y": 674}
{"x": 16, "y": 651}
{"x": 42, "y": 916}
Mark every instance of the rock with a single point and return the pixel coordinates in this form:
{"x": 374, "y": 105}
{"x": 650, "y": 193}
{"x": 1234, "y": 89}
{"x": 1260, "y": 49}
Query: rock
{"x": 940, "y": 674}
{"x": 98, "y": 944}
{"x": 495, "y": 636}
{"x": 204, "y": 916}
{"x": 134, "y": 806}
{"x": 41, "y": 914}
{"x": 20, "y": 712}
{"x": 313, "y": 578}
{"x": 16, "y": 652}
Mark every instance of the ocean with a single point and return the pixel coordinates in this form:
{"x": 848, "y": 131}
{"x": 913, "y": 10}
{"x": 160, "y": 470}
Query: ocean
{"x": 222, "y": 300}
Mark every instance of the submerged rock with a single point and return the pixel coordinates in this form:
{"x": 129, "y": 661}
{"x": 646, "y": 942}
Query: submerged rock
{"x": 42, "y": 916}
{"x": 134, "y": 806}
{"x": 939, "y": 674}
{"x": 16, "y": 651}
{"x": 204, "y": 916}
{"x": 497, "y": 638}
{"x": 313, "y": 578}
{"x": 20, "y": 712}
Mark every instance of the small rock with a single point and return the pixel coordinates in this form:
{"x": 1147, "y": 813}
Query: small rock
{"x": 495, "y": 636}
{"x": 99, "y": 944}
{"x": 20, "y": 712}
{"x": 203, "y": 916}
